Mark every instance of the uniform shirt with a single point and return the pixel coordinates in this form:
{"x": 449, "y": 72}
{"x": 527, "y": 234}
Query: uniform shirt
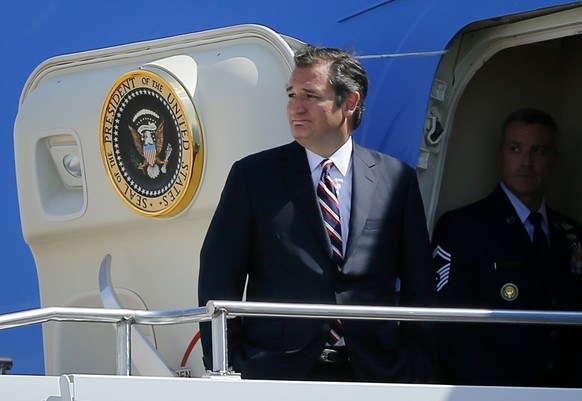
{"x": 523, "y": 212}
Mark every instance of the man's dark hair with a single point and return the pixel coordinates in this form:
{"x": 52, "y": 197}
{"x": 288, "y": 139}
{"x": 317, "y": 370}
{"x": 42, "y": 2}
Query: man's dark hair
{"x": 347, "y": 74}
{"x": 530, "y": 115}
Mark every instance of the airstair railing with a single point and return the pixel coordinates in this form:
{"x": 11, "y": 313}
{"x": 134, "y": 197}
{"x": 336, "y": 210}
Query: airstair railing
{"x": 219, "y": 311}
{"x": 122, "y": 318}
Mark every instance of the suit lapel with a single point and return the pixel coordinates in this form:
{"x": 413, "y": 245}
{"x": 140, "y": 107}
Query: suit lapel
{"x": 363, "y": 185}
{"x": 296, "y": 173}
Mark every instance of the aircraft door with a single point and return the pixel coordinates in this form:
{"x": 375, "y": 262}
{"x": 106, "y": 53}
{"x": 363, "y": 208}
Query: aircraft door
{"x": 491, "y": 69}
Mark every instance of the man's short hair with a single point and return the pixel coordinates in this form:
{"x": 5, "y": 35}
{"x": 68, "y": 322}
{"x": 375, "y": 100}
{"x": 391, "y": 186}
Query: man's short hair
{"x": 347, "y": 74}
{"x": 531, "y": 115}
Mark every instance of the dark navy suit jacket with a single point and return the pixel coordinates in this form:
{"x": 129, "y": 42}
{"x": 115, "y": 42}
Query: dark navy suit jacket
{"x": 483, "y": 249}
{"x": 268, "y": 227}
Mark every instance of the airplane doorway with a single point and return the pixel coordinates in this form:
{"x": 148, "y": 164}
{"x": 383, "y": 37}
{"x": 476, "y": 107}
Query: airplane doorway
{"x": 491, "y": 69}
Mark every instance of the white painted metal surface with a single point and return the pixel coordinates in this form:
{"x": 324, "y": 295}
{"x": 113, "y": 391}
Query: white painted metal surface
{"x": 118, "y": 388}
{"x": 236, "y": 77}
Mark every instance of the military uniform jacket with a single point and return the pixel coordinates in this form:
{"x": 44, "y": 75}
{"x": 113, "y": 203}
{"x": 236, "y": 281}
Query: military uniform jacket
{"x": 484, "y": 259}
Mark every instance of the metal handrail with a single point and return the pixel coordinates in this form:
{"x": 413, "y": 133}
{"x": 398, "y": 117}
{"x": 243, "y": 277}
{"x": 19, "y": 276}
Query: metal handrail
{"x": 122, "y": 318}
{"x": 101, "y": 315}
{"x": 219, "y": 311}
{"x": 271, "y": 309}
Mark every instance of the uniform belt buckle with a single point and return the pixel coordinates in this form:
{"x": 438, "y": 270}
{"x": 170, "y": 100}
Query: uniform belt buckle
{"x": 329, "y": 356}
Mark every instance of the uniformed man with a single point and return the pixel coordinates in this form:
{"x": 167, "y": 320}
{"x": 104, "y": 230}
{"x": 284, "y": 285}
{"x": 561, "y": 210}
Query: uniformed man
{"x": 510, "y": 250}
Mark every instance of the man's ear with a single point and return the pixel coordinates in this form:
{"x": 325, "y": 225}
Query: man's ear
{"x": 350, "y": 104}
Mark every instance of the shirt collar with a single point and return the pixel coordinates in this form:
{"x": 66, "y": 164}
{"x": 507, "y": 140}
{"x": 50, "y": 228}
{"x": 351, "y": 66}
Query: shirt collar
{"x": 521, "y": 209}
{"x": 341, "y": 158}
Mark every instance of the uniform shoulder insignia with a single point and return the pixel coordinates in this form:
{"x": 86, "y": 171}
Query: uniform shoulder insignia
{"x": 442, "y": 261}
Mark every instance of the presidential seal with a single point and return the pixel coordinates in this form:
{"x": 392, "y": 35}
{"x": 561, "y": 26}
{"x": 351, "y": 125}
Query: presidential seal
{"x": 151, "y": 143}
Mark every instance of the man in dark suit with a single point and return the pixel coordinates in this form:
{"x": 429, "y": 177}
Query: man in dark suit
{"x": 491, "y": 255}
{"x": 269, "y": 228}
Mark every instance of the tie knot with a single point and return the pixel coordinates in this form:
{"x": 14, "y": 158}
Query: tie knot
{"x": 536, "y": 219}
{"x": 326, "y": 164}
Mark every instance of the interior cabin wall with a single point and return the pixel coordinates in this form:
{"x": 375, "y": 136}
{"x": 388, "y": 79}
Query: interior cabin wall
{"x": 545, "y": 75}
{"x": 565, "y": 192}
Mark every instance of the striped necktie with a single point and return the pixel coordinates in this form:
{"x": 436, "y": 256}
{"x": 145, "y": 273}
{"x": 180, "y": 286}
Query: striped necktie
{"x": 328, "y": 202}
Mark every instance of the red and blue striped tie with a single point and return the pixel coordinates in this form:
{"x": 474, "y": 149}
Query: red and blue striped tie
{"x": 328, "y": 202}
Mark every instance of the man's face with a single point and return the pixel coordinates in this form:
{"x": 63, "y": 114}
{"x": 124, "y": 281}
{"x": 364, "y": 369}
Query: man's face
{"x": 527, "y": 159}
{"x": 316, "y": 122}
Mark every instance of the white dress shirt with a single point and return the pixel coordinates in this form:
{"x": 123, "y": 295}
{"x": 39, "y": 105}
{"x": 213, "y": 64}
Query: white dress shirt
{"x": 341, "y": 174}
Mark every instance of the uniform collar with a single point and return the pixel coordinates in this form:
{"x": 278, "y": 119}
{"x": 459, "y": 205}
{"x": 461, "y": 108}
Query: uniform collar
{"x": 521, "y": 209}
